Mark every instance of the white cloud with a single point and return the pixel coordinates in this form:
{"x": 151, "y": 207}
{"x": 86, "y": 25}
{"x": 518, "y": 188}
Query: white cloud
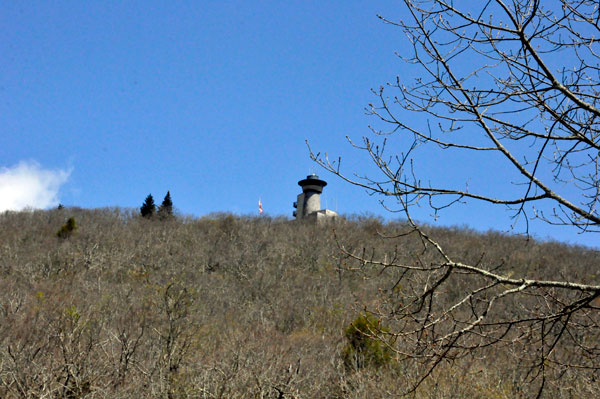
{"x": 27, "y": 185}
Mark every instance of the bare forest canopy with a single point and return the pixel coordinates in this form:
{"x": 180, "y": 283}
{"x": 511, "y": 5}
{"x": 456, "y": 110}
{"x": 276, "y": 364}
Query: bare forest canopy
{"x": 497, "y": 104}
{"x": 223, "y": 306}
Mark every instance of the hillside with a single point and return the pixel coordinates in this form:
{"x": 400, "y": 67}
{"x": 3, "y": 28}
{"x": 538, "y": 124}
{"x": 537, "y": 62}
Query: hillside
{"x": 235, "y": 307}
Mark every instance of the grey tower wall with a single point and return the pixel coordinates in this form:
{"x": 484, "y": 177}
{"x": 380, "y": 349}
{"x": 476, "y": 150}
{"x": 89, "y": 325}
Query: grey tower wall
{"x": 312, "y": 202}
{"x": 300, "y": 206}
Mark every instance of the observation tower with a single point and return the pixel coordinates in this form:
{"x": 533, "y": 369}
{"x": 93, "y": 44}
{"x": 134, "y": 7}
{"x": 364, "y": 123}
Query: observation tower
{"x": 308, "y": 204}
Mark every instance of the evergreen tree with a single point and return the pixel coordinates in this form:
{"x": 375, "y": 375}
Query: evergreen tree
{"x": 148, "y": 208}
{"x": 166, "y": 208}
{"x": 67, "y": 229}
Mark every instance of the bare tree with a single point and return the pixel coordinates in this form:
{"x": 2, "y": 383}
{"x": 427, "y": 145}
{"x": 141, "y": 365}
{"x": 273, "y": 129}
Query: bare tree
{"x": 515, "y": 85}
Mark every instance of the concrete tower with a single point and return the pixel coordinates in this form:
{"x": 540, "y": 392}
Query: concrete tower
{"x": 308, "y": 204}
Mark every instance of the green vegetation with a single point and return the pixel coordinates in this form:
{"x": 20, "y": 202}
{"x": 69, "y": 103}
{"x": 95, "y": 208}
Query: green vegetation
{"x": 165, "y": 210}
{"x": 148, "y": 207}
{"x": 363, "y": 349}
{"x": 67, "y": 229}
{"x": 224, "y": 306}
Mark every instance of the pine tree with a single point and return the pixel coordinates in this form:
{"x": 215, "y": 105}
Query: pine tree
{"x": 166, "y": 208}
{"x": 148, "y": 208}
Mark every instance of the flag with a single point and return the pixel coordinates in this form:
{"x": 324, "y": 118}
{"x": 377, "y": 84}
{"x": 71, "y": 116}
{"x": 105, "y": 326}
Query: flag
{"x": 260, "y": 211}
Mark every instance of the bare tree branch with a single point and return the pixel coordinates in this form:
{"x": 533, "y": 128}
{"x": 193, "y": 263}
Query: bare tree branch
{"x": 517, "y": 80}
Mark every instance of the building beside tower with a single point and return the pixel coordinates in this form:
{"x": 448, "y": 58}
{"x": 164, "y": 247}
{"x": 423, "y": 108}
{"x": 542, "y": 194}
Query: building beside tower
{"x": 308, "y": 204}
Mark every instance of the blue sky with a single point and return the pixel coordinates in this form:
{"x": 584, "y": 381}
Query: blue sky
{"x": 103, "y": 102}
